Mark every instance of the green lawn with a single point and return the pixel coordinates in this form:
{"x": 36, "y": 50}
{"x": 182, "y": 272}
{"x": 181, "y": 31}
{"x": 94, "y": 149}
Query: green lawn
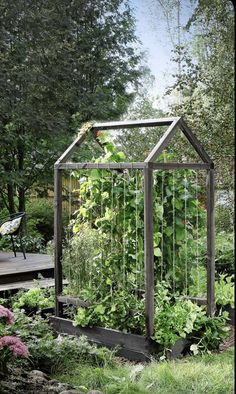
{"x": 208, "y": 374}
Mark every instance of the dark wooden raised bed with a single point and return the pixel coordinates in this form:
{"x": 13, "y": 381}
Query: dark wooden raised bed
{"x": 231, "y": 312}
{"x": 131, "y": 346}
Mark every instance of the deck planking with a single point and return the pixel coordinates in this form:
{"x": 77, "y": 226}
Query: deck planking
{"x": 15, "y": 269}
{"x": 28, "y": 284}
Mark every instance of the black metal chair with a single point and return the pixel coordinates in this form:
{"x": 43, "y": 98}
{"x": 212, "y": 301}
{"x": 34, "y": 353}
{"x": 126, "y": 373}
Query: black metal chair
{"x": 12, "y": 225}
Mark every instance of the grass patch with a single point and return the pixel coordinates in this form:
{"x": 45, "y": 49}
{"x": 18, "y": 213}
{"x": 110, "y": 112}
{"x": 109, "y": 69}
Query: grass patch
{"x": 210, "y": 373}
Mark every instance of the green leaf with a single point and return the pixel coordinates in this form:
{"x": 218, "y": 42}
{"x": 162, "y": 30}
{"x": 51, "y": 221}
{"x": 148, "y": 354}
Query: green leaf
{"x": 100, "y": 309}
{"x": 168, "y": 231}
{"x": 157, "y": 252}
{"x": 109, "y": 148}
{"x": 95, "y": 174}
{"x": 108, "y": 281}
{"x": 121, "y": 155}
{"x": 194, "y": 349}
{"x": 179, "y": 234}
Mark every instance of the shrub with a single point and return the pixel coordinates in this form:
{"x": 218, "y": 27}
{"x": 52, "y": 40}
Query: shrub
{"x": 63, "y": 352}
{"x": 30, "y": 327}
{"x": 224, "y": 291}
{"x": 224, "y": 253}
{"x": 81, "y": 258}
{"x": 3, "y": 214}
{"x": 32, "y": 244}
{"x": 177, "y": 318}
{"x": 35, "y": 298}
{"x": 10, "y": 346}
{"x": 224, "y": 218}
{"x": 224, "y": 287}
{"x": 49, "y": 352}
{"x": 40, "y": 218}
{"x": 118, "y": 310}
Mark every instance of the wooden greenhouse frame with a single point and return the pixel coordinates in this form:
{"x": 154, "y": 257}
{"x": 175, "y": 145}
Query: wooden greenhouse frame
{"x": 133, "y": 346}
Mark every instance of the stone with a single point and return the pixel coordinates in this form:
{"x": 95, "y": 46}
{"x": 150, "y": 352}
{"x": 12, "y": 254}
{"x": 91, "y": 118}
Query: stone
{"x": 51, "y": 389}
{"x": 33, "y": 382}
{"x": 37, "y": 374}
{"x": 53, "y": 382}
{"x": 95, "y": 392}
{"x": 72, "y": 391}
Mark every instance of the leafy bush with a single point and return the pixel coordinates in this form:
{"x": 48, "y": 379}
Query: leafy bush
{"x": 210, "y": 332}
{"x": 224, "y": 253}
{"x": 11, "y": 346}
{"x": 224, "y": 218}
{"x": 35, "y": 298}
{"x": 119, "y": 310}
{"x": 177, "y": 318}
{"x": 61, "y": 353}
{"x": 224, "y": 290}
{"x": 32, "y": 244}
{"x": 81, "y": 256}
{"x": 224, "y": 287}
{"x": 31, "y": 327}
{"x": 40, "y": 218}
{"x": 49, "y": 352}
{"x": 174, "y": 318}
{"x": 112, "y": 204}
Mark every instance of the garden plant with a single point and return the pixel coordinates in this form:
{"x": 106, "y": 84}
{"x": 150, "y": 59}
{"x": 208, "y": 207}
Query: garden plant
{"x": 103, "y": 254}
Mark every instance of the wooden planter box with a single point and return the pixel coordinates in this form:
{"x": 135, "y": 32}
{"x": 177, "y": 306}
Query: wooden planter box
{"x": 231, "y": 312}
{"x": 44, "y": 312}
{"x": 131, "y": 346}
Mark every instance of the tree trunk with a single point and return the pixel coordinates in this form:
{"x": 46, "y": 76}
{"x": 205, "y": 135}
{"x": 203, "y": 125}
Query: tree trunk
{"x": 21, "y": 196}
{"x": 20, "y": 155}
{"x": 10, "y": 198}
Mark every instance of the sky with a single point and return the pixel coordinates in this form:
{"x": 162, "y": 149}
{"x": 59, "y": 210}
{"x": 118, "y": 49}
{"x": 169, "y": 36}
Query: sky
{"x": 152, "y": 31}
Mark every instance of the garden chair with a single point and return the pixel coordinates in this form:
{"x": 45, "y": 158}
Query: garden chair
{"x": 12, "y": 225}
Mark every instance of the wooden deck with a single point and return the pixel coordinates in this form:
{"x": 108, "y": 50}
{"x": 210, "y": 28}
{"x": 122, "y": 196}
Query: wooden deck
{"x": 17, "y": 269}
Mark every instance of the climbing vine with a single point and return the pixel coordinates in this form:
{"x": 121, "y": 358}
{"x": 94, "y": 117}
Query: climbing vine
{"x": 111, "y": 213}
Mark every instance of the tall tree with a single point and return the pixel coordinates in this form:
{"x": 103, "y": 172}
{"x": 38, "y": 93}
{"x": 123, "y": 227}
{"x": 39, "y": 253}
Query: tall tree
{"x": 206, "y": 83}
{"x": 58, "y": 58}
{"x": 136, "y": 143}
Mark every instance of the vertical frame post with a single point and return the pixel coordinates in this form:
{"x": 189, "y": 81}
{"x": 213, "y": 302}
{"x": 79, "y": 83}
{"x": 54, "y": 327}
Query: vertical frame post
{"x": 58, "y": 237}
{"x": 210, "y": 242}
{"x": 148, "y": 250}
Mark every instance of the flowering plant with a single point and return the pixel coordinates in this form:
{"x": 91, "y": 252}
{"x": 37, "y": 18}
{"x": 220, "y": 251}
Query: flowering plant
{"x": 6, "y": 316}
{"x": 10, "y": 346}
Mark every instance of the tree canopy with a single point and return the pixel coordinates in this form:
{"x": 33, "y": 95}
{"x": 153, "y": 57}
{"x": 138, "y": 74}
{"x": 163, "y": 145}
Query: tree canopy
{"x": 206, "y": 83}
{"x": 58, "y": 58}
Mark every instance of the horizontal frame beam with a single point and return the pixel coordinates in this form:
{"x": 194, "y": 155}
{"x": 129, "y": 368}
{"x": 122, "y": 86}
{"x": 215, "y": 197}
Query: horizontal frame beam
{"x": 73, "y": 301}
{"x": 198, "y": 300}
{"x": 176, "y": 166}
{"x": 101, "y": 166}
{"x": 137, "y": 165}
{"x": 127, "y": 124}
